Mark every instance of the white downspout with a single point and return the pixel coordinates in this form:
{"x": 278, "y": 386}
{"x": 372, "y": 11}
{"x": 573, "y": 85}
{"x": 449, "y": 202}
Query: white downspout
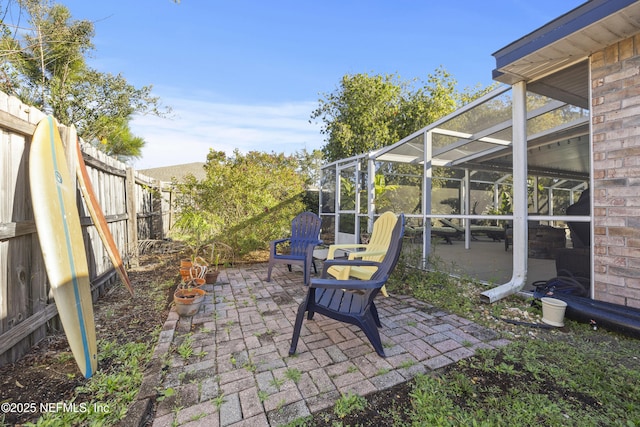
{"x": 357, "y": 233}
{"x": 520, "y": 229}
{"x": 427, "y": 173}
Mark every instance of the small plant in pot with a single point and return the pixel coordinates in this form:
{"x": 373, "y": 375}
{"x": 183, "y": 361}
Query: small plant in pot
{"x": 216, "y": 253}
{"x": 211, "y": 276}
{"x": 189, "y": 296}
{"x": 196, "y": 228}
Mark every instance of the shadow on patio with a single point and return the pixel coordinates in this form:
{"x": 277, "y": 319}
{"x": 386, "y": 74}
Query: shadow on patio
{"x": 240, "y": 373}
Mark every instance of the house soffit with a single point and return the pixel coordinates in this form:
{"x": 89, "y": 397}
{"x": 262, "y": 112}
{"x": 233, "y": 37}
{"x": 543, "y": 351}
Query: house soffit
{"x": 567, "y": 40}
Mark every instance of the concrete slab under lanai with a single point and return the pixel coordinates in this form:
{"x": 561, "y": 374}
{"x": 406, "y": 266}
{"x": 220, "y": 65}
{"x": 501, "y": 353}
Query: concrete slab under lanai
{"x": 488, "y": 261}
{"x": 240, "y": 374}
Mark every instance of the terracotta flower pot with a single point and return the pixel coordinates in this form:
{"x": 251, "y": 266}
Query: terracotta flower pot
{"x": 185, "y": 273}
{"x": 188, "y": 301}
{"x": 211, "y": 276}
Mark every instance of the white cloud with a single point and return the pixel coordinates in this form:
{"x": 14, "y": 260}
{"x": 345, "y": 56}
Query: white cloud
{"x": 196, "y": 126}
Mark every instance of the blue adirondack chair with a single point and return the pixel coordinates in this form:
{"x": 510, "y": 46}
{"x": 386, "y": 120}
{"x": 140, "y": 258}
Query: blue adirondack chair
{"x": 305, "y": 232}
{"x": 351, "y": 300}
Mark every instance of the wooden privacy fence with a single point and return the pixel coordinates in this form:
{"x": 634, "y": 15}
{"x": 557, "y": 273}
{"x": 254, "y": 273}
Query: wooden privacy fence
{"x": 136, "y": 207}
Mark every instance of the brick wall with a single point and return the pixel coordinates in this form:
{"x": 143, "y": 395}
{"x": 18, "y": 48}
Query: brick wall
{"x": 615, "y": 74}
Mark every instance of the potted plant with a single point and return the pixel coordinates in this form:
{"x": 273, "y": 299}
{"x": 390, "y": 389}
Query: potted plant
{"x": 188, "y": 300}
{"x": 189, "y": 296}
{"x": 198, "y": 228}
{"x": 211, "y": 275}
{"x": 216, "y": 253}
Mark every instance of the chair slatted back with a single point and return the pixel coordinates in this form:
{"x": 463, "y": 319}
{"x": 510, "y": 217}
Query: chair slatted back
{"x": 304, "y": 228}
{"x": 381, "y": 235}
{"x": 393, "y": 252}
{"x": 384, "y": 270}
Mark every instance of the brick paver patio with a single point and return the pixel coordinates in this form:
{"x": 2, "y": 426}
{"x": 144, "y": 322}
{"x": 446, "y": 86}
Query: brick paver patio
{"x": 240, "y": 373}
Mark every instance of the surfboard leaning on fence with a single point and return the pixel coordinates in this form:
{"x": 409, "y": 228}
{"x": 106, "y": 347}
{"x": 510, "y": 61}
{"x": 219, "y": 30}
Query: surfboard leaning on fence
{"x": 97, "y": 215}
{"x": 53, "y": 195}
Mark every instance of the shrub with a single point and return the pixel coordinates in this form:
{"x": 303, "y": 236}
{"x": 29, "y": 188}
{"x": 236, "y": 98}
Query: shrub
{"x": 245, "y": 201}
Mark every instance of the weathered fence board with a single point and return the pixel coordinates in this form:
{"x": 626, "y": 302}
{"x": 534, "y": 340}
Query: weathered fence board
{"x": 135, "y": 206}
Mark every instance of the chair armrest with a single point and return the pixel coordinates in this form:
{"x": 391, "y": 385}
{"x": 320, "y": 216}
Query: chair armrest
{"x": 306, "y": 241}
{"x": 333, "y": 248}
{"x": 312, "y": 247}
{"x": 354, "y": 255}
{"x": 278, "y": 241}
{"x": 346, "y": 284}
{"x": 274, "y": 243}
{"x": 347, "y": 263}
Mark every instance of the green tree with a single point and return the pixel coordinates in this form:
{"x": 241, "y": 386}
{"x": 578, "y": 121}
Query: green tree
{"x": 309, "y": 165}
{"x": 309, "y": 168}
{"x": 245, "y": 201}
{"x": 44, "y": 59}
{"x": 120, "y": 142}
{"x": 101, "y": 104}
{"x": 370, "y": 112}
{"x": 359, "y": 116}
{"x": 44, "y": 66}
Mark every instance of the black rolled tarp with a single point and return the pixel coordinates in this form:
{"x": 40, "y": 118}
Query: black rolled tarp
{"x": 603, "y": 314}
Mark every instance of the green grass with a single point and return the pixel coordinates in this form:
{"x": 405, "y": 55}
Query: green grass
{"x": 185, "y": 349}
{"x": 569, "y": 382}
{"x": 348, "y": 403}
{"x": 104, "y": 399}
{"x": 277, "y": 382}
{"x": 112, "y": 390}
{"x": 293, "y": 374}
{"x": 574, "y": 377}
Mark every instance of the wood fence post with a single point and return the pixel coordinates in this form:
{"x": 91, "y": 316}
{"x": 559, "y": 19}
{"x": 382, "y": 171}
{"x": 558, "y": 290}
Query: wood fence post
{"x": 132, "y": 213}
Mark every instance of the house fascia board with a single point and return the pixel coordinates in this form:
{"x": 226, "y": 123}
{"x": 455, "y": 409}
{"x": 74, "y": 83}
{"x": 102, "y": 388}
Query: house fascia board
{"x": 570, "y": 23}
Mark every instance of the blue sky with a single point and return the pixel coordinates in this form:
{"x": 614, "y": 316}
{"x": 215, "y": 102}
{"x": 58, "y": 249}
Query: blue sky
{"x": 246, "y": 74}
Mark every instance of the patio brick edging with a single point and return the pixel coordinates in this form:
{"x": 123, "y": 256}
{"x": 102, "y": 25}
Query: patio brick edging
{"x": 139, "y": 412}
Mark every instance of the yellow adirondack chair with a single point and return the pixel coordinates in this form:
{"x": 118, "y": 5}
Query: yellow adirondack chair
{"x": 375, "y": 250}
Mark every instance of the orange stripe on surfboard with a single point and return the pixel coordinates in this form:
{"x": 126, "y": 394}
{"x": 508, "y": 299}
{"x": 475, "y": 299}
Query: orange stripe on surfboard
{"x": 98, "y": 217}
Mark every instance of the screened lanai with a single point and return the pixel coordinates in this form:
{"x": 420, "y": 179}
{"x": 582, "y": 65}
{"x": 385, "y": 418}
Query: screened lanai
{"x": 485, "y": 190}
